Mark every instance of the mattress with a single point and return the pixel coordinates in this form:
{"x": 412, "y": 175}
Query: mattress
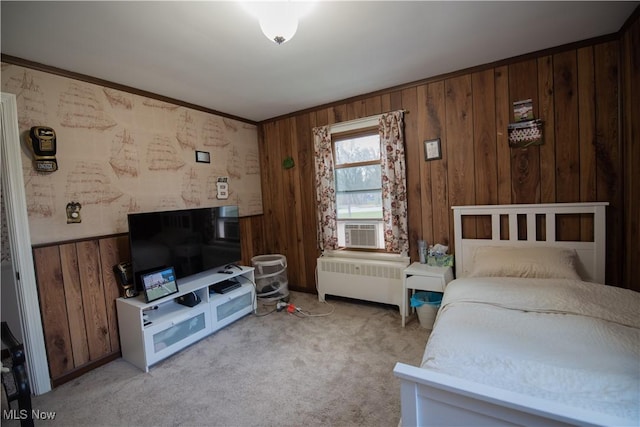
{"x": 568, "y": 341}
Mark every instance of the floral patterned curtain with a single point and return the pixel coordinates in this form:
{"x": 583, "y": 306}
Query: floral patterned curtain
{"x": 394, "y": 182}
{"x": 325, "y": 189}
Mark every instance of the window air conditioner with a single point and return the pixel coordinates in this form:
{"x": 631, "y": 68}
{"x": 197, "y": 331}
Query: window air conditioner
{"x": 361, "y": 236}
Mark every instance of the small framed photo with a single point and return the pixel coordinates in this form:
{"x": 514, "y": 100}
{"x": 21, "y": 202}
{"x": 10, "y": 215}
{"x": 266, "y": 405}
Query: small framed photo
{"x": 203, "y": 157}
{"x": 432, "y": 149}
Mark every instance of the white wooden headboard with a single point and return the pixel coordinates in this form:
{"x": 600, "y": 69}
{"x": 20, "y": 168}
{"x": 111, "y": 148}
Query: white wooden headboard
{"x": 591, "y": 254}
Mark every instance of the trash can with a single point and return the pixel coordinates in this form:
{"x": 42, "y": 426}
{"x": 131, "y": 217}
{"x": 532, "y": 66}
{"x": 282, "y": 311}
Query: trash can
{"x": 271, "y": 277}
{"x": 426, "y": 305}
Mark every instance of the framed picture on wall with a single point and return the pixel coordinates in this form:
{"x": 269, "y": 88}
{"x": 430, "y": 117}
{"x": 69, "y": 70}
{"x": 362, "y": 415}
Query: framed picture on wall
{"x": 432, "y": 149}
{"x": 203, "y": 157}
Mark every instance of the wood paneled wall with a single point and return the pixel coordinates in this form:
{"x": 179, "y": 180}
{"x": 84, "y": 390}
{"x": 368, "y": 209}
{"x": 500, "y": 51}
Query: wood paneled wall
{"x": 77, "y": 291}
{"x": 576, "y": 91}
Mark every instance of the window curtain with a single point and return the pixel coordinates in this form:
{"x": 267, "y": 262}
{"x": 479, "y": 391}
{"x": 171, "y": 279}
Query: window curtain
{"x": 394, "y": 187}
{"x": 394, "y": 182}
{"x": 325, "y": 189}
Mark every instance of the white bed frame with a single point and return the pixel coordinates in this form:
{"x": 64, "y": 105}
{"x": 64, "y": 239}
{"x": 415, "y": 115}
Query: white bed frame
{"x": 430, "y": 398}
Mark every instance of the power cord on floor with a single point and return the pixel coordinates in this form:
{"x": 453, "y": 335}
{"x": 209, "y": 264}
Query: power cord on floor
{"x": 297, "y": 311}
{"x": 291, "y": 308}
{"x": 264, "y": 314}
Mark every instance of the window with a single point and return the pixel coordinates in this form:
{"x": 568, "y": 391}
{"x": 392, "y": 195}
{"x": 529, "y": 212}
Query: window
{"x": 358, "y": 185}
{"x": 361, "y": 190}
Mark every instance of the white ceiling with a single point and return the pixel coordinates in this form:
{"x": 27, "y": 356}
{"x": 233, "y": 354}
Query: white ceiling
{"x": 213, "y": 54}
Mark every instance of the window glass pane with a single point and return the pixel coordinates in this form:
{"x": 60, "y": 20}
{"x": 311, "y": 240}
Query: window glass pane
{"x": 358, "y": 178}
{"x": 357, "y": 149}
{"x": 359, "y": 205}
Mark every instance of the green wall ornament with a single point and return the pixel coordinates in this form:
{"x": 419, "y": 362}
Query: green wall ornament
{"x": 288, "y": 163}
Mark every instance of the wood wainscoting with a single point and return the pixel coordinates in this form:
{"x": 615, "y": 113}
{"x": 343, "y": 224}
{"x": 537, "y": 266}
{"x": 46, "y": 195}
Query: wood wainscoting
{"x": 77, "y": 290}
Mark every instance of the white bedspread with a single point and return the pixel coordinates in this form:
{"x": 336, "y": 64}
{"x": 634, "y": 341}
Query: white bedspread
{"x": 568, "y": 341}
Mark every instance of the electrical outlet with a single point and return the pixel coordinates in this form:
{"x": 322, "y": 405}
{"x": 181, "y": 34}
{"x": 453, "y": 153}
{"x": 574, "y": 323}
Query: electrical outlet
{"x": 222, "y": 186}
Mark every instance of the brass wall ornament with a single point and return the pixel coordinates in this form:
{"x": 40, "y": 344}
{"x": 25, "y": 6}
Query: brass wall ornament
{"x": 73, "y": 212}
{"x": 43, "y": 147}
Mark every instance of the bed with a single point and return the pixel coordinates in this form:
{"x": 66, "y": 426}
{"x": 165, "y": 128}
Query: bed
{"x": 528, "y": 334}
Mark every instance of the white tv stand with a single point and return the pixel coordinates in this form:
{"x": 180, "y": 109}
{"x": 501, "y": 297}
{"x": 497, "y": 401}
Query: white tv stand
{"x": 150, "y": 332}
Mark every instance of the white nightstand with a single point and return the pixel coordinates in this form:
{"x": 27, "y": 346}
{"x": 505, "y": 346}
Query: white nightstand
{"x": 423, "y": 277}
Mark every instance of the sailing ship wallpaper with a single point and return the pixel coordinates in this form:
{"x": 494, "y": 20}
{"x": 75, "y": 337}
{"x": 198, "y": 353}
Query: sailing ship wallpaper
{"x": 120, "y": 153}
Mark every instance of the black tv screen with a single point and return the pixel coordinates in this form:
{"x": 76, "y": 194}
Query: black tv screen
{"x": 189, "y": 240}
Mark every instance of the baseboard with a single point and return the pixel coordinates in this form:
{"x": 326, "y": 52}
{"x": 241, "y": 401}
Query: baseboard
{"x": 56, "y": 382}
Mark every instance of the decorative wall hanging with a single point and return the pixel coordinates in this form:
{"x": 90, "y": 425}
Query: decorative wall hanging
{"x": 525, "y": 133}
{"x": 526, "y": 130}
{"x": 288, "y": 162}
{"x": 73, "y": 213}
{"x": 203, "y": 157}
{"x": 43, "y": 147}
{"x": 432, "y": 149}
{"x": 523, "y": 110}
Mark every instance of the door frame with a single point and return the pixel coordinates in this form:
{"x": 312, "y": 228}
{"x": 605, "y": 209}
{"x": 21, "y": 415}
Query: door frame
{"x": 21, "y": 251}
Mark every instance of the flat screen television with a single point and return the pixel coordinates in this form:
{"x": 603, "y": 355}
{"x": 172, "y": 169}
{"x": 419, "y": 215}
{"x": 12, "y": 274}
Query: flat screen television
{"x": 189, "y": 240}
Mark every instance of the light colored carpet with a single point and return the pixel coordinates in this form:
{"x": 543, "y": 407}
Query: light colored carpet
{"x": 279, "y": 369}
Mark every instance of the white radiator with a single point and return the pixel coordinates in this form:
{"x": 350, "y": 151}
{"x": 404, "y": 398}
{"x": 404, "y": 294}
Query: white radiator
{"x": 365, "y": 279}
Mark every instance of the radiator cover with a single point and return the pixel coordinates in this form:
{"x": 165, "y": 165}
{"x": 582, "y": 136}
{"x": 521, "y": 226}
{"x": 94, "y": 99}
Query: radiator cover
{"x": 369, "y": 280}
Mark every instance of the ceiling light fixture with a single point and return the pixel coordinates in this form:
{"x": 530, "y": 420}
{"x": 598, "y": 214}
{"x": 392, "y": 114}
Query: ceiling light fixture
{"x": 278, "y": 19}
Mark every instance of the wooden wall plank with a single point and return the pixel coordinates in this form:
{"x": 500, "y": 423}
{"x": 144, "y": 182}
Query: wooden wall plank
{"x": 278, "y": 203}
{"x": 53, "y": 309}
{"x": 322, "y": 117}
{"x": 546, "y": 113}
{"x": 397, "y": 103}
{"x": 95, "y": 310}
{"x": 566, "y": 107}
{"x": 356, "y": 110}
{"x": 460, "y": 161}
{"x": 438, "y": 204}
{"x": 373, "y": 106}
{"x": 252, "y": 230}
{"x": 609, "y": 165}
{"x": 525, "y": 162}
{"x": 587, "y": 127}
{"x": 75, "y": 308}
{"x": 385, "y": 102}
{"x": 413, "y": 164}
{"x": 503, "y": 118}
{"x": 587, "y": 131}
{"x": 484, "y": 143}
{"x": 305, "y": 168}
{"x": 425, "y": 187}
{"x": 566, "y": 131}
{"x": 504, "y": 113}
{"x": 112, "y": 251}
{"x": 269, "y": 153}
{"x": 336, "y": 114}
{"x": 289, "y": 202}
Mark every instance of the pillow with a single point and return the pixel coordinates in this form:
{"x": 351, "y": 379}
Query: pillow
{"x": 537, "y": 262}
